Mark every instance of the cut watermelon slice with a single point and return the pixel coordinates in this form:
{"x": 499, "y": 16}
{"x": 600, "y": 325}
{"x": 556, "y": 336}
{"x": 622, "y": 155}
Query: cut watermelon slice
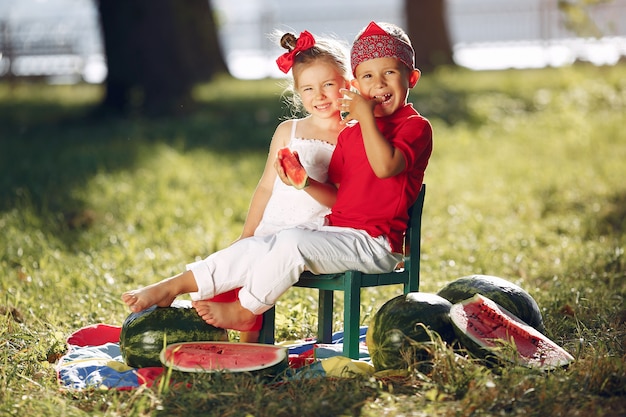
{"x": 224, "y": 357}
{"x": 486, "y": 328}
{"x": 293, "y": 169}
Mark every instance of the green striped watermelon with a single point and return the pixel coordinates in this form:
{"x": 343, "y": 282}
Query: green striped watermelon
{"x": 505, "y": 293}
{"x": 225, "y": 357}
{"x": 143, "y": 333}
{"x": 401, "y": 322}
{"x": 488, "y": 330}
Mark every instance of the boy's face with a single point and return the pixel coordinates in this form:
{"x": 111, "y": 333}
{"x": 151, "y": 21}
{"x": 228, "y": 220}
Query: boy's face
{"x": 386, "y": 79}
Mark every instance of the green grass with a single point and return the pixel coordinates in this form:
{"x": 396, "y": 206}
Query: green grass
{"x": 526, "y": 182}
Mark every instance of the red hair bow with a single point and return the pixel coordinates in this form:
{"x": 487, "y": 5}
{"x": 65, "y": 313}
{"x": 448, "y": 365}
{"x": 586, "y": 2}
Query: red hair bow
{"x": 304, "y": 42}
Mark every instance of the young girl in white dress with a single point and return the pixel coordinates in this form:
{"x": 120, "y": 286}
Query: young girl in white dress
{"x": 319, "y": 70}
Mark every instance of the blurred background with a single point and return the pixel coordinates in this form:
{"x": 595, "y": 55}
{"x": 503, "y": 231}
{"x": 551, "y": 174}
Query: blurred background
{"x": 149, "y": 55}
{"x": 62, "y": 40}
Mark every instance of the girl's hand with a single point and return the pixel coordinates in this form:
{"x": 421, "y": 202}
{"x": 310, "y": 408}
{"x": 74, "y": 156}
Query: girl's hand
{"x": 353, "y": 106}
{"x": 280, "y": 171}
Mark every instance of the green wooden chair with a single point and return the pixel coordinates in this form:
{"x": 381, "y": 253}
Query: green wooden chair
{"x": 351, "y": 282}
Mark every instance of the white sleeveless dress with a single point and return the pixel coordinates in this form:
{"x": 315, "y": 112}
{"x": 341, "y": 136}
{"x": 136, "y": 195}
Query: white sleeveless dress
{"x": 288, "y": 207}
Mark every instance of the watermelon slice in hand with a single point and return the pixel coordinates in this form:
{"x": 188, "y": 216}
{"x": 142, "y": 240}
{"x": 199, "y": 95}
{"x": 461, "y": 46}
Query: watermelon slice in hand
{"x": 225, "y": 357}
{"x": 293, "y": 168}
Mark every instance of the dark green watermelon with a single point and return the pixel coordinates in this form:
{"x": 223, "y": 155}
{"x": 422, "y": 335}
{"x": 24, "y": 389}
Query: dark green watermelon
{"x": 510, "y": 296}
{"x": 399, "y": 323}
{"x": 141, "y": 338}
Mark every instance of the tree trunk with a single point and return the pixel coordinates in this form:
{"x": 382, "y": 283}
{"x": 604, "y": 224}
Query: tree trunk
{"x": 428, "y": 30}
{"x": 156, "y": 51}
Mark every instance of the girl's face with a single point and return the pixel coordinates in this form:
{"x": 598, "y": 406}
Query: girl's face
{"x": 318, "y": 84}
{"x": 386, "y": 79}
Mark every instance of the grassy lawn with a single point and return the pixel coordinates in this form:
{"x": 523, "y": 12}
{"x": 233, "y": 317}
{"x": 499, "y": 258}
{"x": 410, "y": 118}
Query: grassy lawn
{"x": 526, "y": 182}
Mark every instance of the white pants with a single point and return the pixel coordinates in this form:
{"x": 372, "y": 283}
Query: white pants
{"x": 267, "y": 266}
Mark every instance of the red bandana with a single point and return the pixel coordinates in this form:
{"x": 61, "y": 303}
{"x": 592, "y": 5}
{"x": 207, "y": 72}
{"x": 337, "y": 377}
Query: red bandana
{"x": 304, "y": 42}
{"x": 376, "y": 43}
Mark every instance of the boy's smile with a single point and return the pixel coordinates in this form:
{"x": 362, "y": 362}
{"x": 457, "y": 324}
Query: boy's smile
{"x": 386, "y": 80}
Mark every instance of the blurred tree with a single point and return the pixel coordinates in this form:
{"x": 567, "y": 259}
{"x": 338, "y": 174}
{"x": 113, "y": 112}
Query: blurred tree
{"x": 156, "y": 51}
{"x": 577, "y": 18}
{"x": 428, "y": 30}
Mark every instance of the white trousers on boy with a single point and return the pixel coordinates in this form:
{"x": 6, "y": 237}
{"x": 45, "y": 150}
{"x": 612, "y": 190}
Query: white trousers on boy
{"x": 267, "y": 266}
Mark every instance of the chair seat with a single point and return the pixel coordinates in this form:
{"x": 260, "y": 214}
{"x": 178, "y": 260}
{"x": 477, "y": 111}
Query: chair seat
{"x": 351, "y": 282}
{"x": 336, "y": 281}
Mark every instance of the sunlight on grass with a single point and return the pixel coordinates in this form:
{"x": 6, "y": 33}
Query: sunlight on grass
{"x": 526, "y": 182}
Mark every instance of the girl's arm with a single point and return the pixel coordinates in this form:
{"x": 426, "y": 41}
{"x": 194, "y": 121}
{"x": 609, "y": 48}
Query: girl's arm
{"x": 265, "y": 186}
{"x": 323, "y": 193}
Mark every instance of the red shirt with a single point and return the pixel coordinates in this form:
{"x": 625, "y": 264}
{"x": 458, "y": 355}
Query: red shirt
{"x": 366, "y": 202}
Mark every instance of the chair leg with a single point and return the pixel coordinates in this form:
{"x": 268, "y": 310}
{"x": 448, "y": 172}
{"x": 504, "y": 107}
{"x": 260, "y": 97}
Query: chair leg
{"x": 325, "y": 316}
{"x": 268, "y": 328}
{"x": 352, "y": 314}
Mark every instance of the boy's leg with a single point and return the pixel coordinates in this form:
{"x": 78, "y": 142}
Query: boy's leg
{"x": 325, "y": 250}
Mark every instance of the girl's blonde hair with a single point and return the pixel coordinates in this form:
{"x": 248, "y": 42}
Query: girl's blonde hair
{"x": 328, "y": 50}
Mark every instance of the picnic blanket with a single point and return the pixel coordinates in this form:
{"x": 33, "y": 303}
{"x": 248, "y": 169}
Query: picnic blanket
{"x": 94, "y": 360}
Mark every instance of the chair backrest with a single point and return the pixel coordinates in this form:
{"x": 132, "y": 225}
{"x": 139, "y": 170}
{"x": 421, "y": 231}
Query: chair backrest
{"x": 413, "y": 236}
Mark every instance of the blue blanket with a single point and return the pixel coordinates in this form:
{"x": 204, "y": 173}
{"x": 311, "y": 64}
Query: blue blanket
{"x": 94, "y": 360}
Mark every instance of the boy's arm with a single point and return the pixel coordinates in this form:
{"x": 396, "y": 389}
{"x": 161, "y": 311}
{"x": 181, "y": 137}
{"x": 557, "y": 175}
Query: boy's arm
{"x": 384, "y": 158}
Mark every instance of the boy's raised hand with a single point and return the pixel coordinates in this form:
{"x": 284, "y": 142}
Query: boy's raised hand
{"x": 353, "y": 106}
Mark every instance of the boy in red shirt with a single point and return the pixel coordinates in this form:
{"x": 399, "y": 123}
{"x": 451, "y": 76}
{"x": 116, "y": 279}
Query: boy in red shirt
{"x": 375, "y": 175}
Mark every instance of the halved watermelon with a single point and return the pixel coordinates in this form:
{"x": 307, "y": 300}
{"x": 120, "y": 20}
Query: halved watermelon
{"x": 225, "y": 357}
{"x": 507, "y": 294}
{"x": 487, "y": 329}
{"x": 293, "y": 168}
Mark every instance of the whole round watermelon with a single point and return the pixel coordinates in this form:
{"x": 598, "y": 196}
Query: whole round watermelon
{"x": 400, "y": 322}
{"x": 510, "y": 296}
{"x": 143, "y": 333}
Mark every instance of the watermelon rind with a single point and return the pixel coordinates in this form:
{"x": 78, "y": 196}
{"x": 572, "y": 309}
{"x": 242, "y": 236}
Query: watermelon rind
{"x": 507, "y": 294}
{"x": 401, "y": 328}
{"x": 209, "y": 357}
{"x": 517, "y": 342}
{"x": 144, "y": 334}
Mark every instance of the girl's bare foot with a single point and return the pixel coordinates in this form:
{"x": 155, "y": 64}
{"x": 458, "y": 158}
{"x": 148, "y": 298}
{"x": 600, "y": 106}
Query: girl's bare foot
{"x": 163, "y": 293}
{"x": 225, "y": 315}
{"x": 146, "y": 297}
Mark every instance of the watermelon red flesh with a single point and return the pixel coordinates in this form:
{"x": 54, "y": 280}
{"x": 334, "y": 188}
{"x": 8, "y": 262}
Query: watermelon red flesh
{"x": 223, "y": 356}
{"x": 293, "y": 168}
{"x": 482, "y": 323}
